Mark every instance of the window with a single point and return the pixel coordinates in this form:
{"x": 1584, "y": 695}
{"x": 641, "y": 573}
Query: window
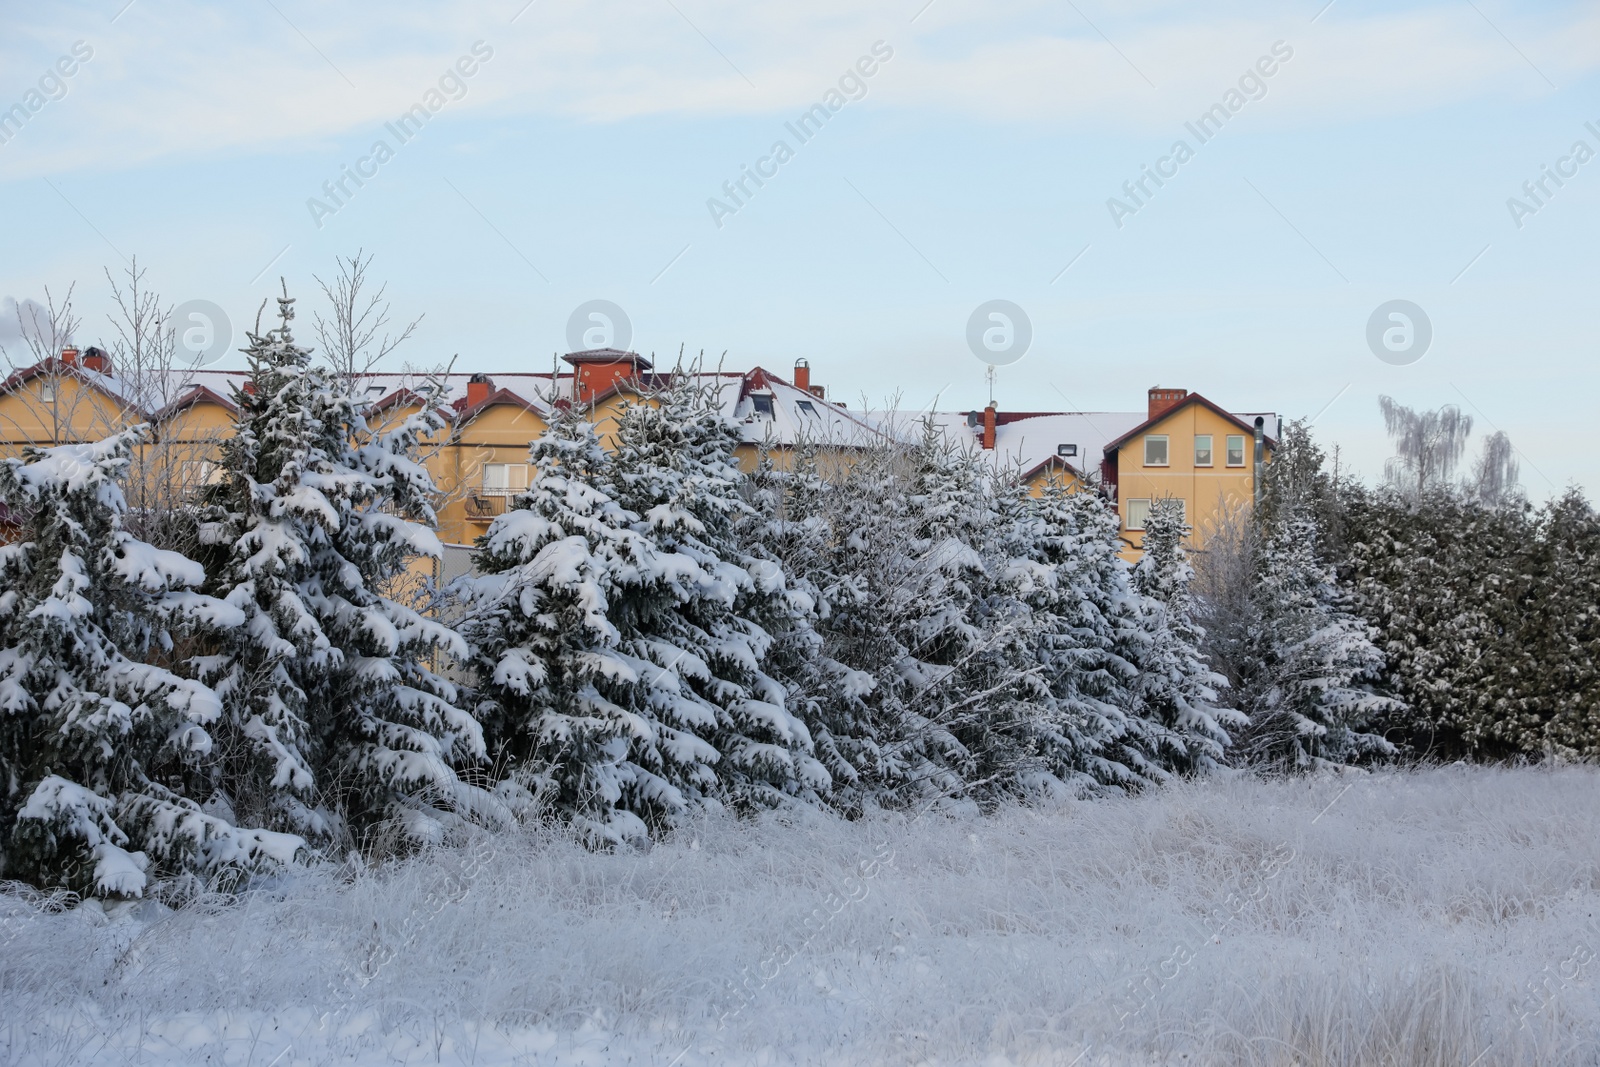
{"x": 1202, "y": 450}
{"x": 1155, "y": 450}
{"x": 1139, "y": 512}
{"x": 806, "y": 408}
{"x": 505, "y": 478}
{"x": 1066, "y": 450}
{"x": 1236, "y": 450}
{"x": 47, "y": 391}
{"x": 761, "y": 404}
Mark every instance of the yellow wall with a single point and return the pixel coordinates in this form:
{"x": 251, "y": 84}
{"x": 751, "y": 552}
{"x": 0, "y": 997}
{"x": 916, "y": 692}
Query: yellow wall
{"x": 183, "y": 443}
{"x": 1208, "y": 492}
{"x": 77, "y": 413}
{"x": 1053, "y": 473}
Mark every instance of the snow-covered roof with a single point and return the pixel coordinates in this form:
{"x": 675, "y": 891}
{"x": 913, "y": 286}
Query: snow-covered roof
{"x": 768, "y": 409}
{"x": 1027, "y": 440}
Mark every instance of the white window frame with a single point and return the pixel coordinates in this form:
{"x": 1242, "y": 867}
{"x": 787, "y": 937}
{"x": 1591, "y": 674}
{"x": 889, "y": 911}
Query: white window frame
{"x": 47, "y": 391}
{"x": 513, "y": 478}
{"x": 1145, "y": 503}
{"x": 1227, "y": 455}
{"x": 1211, "y": 452}
{"x": 1166, "y": 447}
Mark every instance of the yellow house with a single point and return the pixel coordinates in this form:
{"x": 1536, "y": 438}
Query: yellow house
{"x": 480, "y": 461}
{"x": 1188, "y": 449}
{"x": 1181, "y": 446}
{"x": 77, "y": 397}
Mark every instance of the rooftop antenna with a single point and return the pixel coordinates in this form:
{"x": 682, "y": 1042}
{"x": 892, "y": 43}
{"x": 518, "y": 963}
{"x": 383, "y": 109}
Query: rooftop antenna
{"x": 990, "y": 375}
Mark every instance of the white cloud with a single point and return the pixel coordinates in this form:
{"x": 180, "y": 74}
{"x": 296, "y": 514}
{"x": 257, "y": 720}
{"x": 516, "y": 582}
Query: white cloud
{"x": 185, "y": 82}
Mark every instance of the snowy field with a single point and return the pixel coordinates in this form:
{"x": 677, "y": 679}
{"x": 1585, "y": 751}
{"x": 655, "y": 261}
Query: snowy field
{"x": 1398, "y": 918}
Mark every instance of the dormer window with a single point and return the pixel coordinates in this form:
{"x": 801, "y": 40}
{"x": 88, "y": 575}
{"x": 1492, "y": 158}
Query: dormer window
{"x": 806, "y": 408}
{"x": 761, "y": 404}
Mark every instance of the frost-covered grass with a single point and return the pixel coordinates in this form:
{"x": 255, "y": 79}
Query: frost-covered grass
{"x": 1401, "y": 925}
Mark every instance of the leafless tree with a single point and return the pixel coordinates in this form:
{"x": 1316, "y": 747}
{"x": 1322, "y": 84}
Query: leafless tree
{"x": 1225, "y": 579}
{"x": 179, "y": 457}
{"x": 354, "y": 338}
{"x": 44, "y": 331}
{"x": 1495, "y": 475}
{"x": 1428, "y": 444}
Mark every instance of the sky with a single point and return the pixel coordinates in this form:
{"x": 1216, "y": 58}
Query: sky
{"x": 956, "y": 152}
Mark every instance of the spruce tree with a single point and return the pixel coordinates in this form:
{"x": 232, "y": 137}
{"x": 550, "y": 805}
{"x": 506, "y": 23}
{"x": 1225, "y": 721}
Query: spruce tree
{"x": 336, "y": 723}
{"x": 1176, "y": 687}
{"x": 579, "y": 694}
{"x": 101, "y": 729}
{"x": 822, "y": 664}
{"x": 674, "y": 468}
{"x": 1311, "y": 673}
{"x": 1079, "y": 711}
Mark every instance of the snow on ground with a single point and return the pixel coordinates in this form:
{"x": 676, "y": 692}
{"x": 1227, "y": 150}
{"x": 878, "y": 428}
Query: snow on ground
{"x": 1393, "y": 918}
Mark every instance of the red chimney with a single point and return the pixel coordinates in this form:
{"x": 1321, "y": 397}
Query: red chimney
{"x": 95, "y": 359}
{"x": 69, "y": 355}
{"x": 802, "y": 375}
{"x": 1163, "y": 399}
{"x": 479, "y": 386}
{"x": 598, "y": 369}
{"x": 988, "y": 426}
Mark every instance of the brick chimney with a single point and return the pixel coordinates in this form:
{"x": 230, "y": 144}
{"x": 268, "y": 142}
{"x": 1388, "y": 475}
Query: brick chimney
{"x": 95, "y": 359}
{"x": 989, "y": 416}
{"x": 802, "y": 375}
{"x": 69, "y": 355}
{"x": 598, "y": 369}
{"x": 1163, "y": 399}
{"x": 479, "y": 386}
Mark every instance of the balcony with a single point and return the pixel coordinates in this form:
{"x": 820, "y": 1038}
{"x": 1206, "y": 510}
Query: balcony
{"x": 485, "y": 504}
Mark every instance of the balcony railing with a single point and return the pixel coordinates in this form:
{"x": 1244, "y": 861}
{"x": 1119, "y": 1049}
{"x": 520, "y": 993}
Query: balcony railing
{"x": 487, "y": 503}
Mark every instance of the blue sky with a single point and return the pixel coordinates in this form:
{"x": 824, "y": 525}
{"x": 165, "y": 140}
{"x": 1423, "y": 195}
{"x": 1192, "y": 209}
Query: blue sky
{"x": 976, "y": 162}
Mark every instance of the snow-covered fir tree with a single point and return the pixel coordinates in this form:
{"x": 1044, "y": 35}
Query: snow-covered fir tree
{"x": 1176, "y": 687}
{"x": 839, "y": 702}
{"x": 579, "y": 695}
{"x": 1078, "y": 709}
{"x": 674, "y": 467}
{"x": 1311, "y": 686}
{"x": 101, "y": 728}
{"x": 336, "y": 722}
